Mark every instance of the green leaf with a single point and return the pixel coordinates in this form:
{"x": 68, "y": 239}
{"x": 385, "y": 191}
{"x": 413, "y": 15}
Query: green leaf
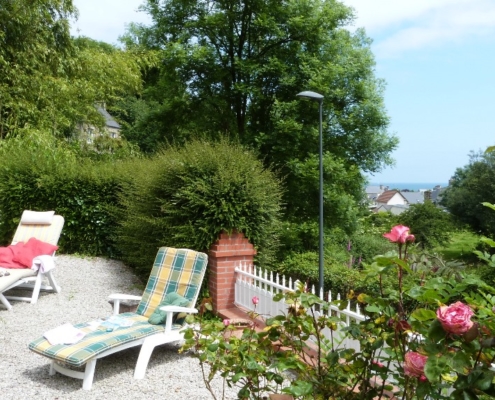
{"x": 489, "y": 205}
{"x": 481, "y": 380}
{"x": 213, "y": 347}
{"x": 423, "y": 390}
{"x": 434, "y": 368}
{"x": 436, "y": 332}
{"x": 460, "y": 362}
{"x": 373, "y": 309}
{"x": 238, "y": 376}
{"x": 299, "y": 388}
{"x": 423, "y": 314}
{"x": 460, "y": 394}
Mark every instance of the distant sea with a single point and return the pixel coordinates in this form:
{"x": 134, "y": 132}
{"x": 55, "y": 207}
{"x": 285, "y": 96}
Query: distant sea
{"x": 415, "y": 187}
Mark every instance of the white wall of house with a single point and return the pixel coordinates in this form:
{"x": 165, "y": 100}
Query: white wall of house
{"x": 397, "y": 198}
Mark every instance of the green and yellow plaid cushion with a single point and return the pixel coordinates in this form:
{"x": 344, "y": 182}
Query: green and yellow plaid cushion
{"x": 96, "y": 342}
{"x": 178, "y": 271}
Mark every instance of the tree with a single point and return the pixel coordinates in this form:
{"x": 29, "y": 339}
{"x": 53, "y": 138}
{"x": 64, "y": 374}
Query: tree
{"x": 432, "y": 226}
{"x": 470, "y": 186}
{"x": 49, "y": 81}
{"x": 234, "y": 68}
{"x": 34, "y": 39}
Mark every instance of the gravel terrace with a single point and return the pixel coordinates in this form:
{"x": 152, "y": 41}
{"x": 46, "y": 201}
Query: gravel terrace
{"x": 86, "y": 284}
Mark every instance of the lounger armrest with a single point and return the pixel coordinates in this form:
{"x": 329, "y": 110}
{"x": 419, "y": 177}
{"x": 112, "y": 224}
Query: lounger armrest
{"x": 118, "y": 297}
{"x": 170, "y": 310}
{"x": 179, "y": 309}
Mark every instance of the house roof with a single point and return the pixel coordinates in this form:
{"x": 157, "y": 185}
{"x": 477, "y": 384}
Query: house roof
{"x": 414, "y": 197}
{"x": 436, "y": 194}
{"x": 373, "y": 189}
{"x": 394, "y": 209}
{"x": 109, "y": 121}
{"x": 387, "y": 195}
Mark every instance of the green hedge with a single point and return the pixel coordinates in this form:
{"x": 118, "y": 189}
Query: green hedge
{"x": 185, "y": 196}
{"x": 42, "y": 174}
{"x": 182, "y": 197}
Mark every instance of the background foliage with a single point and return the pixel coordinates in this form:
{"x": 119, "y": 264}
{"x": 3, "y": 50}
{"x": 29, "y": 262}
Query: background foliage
{"x": 432, "y": 226}
{"x": 470, "y": 186}
{"x": 49, "y": 81}
{"x": 39, "y": 173}
{"x": 234, "y": 68}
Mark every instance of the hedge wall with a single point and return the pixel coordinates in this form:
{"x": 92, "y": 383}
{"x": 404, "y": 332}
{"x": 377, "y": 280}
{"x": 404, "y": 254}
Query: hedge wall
{"x": 41, "y": 174}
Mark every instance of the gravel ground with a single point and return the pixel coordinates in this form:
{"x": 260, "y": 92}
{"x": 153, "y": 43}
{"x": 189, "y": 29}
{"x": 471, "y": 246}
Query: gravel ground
{"x": 86, "y": 284}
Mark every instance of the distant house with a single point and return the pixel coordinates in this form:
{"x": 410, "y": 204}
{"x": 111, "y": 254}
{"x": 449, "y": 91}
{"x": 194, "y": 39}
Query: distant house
{"x": 414, "y": 197}
{"x": 436, "y": 194}
{"x": 394, "y": 209}
{"x": 380, "y": 199}
{"x": 391, "y": 197}
{"x": 89, "y": 132}
{"x": 372, "y": 193}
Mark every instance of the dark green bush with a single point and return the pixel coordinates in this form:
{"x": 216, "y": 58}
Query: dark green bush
{"x": 41, "y": 174}
{"x": 338, "y": 277}
{"x": 185, "y": 196}
{"x": 365, "y": 246}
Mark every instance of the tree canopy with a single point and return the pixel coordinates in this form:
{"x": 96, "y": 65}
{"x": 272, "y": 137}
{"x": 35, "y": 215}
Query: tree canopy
{"x": 48, "y": 80}
{"x": 432, "y": 226}
{"x": 234, "y": 68}
{"x": 470, "y": 186}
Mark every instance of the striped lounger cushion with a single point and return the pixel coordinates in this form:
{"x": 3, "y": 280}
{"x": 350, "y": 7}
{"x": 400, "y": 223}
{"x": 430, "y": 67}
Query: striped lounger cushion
{"x": 174, "y": 271}
{"x": 96, "y": 342}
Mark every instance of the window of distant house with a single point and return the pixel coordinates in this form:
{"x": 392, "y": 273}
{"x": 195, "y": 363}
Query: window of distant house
{"x": 113, "y": 135}
{"x": 91, "y": 134}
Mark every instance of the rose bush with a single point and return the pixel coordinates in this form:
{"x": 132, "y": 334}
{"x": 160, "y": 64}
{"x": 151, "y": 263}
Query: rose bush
{"x": 432, "y": 336}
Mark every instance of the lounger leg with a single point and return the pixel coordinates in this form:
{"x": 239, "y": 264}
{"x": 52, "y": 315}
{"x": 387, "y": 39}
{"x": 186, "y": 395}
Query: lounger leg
{"x": 53, "y": 283}
{"x": 89, "y": 374}
{"x": 5, "y": 302}
{"x": 36, "y": 289}
{"x": 143, "y": 359}
{"x": 52, "y": 368}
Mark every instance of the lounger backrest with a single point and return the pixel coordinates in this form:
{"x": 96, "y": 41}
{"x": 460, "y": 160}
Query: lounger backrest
{"x": 174, "y": 270}
{"x": 45, "y": 229}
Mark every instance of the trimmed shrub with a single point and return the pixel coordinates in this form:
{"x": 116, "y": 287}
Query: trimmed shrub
{"x": 186, "y": 196}
{"x": 39, "y": 173}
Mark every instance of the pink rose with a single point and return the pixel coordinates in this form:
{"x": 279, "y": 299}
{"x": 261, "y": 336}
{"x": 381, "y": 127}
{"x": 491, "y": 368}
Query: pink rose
{"x": 414, "y": 364}
{"x": 226, "y": 322}
{"x": 255, "y": 300}
{"x": 399, "y": 234}
{"x": 455, "y": 318}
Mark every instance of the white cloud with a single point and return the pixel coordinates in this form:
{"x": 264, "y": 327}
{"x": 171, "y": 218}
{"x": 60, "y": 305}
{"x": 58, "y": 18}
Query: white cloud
{"x": 105, "y": 20}
{"x": 398, "y": 26}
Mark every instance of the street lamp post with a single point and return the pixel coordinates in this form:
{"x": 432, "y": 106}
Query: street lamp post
{"x": 319, "y": 98}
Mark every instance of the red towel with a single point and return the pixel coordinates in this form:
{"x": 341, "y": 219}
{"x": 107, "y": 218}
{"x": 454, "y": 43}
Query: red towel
{"x": 21, "y": 255}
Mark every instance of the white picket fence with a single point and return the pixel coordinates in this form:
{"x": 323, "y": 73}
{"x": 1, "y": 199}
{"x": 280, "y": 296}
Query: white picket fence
{"x": 251, "y": 282}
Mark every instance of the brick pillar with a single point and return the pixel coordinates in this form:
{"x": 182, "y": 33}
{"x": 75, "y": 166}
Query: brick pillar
{"x": 225, "y": 254}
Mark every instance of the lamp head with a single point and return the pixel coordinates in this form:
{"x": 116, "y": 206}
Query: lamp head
{"x": 311, "y": 95}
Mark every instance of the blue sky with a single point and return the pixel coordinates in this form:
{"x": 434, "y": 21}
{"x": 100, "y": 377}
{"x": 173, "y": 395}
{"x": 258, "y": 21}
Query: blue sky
{"x": 436, "y": 56}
